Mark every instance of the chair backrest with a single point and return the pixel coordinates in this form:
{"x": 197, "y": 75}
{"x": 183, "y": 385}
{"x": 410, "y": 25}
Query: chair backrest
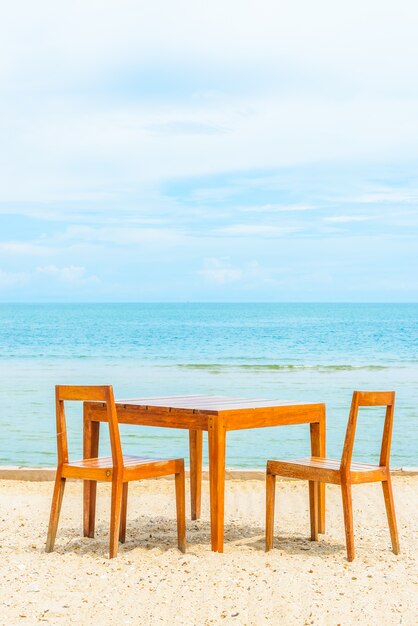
{"x": 103, "y": 393}
{"x": 369, "y": 398}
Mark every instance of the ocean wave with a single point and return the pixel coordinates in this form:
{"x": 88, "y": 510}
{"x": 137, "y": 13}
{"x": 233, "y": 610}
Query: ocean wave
{"x": 281, "y": 367}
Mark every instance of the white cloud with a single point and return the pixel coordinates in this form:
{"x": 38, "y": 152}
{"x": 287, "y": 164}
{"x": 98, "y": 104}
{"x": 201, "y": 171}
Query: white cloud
{"x": 262, "y": 230}
{"x": 220, "y": 271}
{"x": 186, "y": 127}
{"x": 397, "y": 196}
{"x": 92, "y": 37}
{"x": 345, "y": 219}
{"x": 75, "y": 122}
{"x": 71, "y": 274}
{"x": 125, "y": 236}
{"x": 278, "y": 208}
{"x": 25, "y": 248}
{"x": 8, "y": 279}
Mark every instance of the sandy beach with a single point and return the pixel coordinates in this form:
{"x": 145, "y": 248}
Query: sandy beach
{"x": 150, "y": 582}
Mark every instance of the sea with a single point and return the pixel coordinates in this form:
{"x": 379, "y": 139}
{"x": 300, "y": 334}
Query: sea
{"x": 301, "y": 352}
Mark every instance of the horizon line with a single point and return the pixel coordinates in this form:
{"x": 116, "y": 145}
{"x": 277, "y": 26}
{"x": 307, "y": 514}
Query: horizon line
{"x": 101, "y": 302}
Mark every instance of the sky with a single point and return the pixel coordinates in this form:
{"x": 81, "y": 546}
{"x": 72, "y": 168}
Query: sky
{"x": 209, "y": 151}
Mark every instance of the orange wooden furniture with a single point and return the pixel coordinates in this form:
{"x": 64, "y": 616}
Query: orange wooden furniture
{"x": 318, "y": 469}
{"x": 217, "y": 415}
{"x": 117, "y": 469}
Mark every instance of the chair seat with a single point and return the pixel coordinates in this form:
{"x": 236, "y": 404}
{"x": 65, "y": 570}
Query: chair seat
{"x": 106, "y": 462}
{"x": 325, "y": 470}
{"x": 102, "y": 468}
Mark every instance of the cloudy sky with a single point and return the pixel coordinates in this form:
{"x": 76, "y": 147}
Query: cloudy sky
{"x": 229, "y": 150}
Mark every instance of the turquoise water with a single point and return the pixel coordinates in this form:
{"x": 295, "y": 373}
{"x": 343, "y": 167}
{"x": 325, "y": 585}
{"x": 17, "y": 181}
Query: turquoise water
{"x": 318, "y": 352}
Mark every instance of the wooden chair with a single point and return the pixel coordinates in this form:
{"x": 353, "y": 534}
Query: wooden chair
{"x": 344, "y": 473}
{"x": 117, "y": 469}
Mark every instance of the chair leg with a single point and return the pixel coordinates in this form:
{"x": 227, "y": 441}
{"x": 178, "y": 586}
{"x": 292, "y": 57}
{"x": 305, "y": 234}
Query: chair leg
{"x": 115, "y": 515}
{"x": 90, "y": 494}
{"x": 270, "y": 498}
{"x": 55, "y": 511}
{"x": 390, "y": 512}
{"x": 314, "y": 508}
{"x": 348, "y": 518}
{"x": 181, "y": 510}
{"x": 122, "y": 530}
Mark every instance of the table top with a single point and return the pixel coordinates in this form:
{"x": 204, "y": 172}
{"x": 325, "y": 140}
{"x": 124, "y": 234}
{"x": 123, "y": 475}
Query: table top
{"x": 210, "y": 405}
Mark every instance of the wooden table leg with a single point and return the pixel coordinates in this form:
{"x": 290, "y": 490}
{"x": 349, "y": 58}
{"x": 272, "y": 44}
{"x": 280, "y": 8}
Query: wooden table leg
{"x": 217, "y": 441}
{"x": 195, "y": 446}
{"x": 91, "y": 432}
{"x": 318, "y": 448}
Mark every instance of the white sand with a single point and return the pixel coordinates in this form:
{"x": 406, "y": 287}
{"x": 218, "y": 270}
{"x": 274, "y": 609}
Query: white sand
{"x": 150, "y": 582}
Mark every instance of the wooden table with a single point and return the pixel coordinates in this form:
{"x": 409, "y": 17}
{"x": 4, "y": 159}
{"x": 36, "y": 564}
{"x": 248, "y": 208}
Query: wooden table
{"x": 217, "y": 415}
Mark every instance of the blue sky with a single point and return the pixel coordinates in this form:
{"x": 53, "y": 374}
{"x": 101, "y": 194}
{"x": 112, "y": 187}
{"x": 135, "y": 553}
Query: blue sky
{"x": 223, "y": 151}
